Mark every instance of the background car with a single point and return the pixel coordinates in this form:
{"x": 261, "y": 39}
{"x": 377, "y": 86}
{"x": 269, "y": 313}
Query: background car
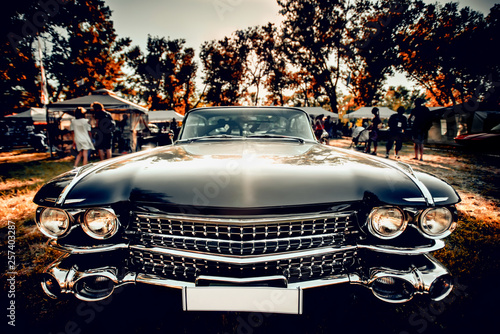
{"x": 484, "y": 140}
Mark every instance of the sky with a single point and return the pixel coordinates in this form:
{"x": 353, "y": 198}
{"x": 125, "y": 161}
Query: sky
{"x": 198, "y": 21}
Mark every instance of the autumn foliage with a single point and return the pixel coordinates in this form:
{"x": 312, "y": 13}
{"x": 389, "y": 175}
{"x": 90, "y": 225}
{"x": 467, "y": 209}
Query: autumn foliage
{"x": 319, "y": 51}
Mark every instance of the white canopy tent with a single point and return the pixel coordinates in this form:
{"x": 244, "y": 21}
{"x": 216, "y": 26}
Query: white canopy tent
{"x": 111, "y": 102}
{"x": 117, "y": 106}
{"x": 366, "y": 112}
{"x": 316, "y": 111}
{"x": 164, "y": 116}
{"x": 37, "y": 115}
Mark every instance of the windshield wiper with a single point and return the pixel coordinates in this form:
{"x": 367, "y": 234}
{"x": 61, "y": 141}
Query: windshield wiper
{"x": 302, "y": 141}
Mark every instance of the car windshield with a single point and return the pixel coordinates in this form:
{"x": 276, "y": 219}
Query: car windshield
{"x": 246, "y": 122}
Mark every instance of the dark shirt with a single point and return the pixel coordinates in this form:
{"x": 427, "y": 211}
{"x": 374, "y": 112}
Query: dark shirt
{"x": 397, "y": 123}
{"x": 420, "y": 119}
{"x": 105, "y": 122}
{"x": 376, "y": 121}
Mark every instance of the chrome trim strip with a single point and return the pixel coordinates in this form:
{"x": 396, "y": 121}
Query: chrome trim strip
{"x": 247, "y": 258}
{"x": 406, "y": 170}
{"x": 159, "y": 281}
{"x": 325, "y": 281}
{"x": 421, "y": 199}
{"x": 438, "y": 244}
{"x": 85, "y": 249}
{"x": 86, "y": 170}
{"x": 76, "y": 200}
{"x": 245, "y": 221}
{"x": 245, "y": 280}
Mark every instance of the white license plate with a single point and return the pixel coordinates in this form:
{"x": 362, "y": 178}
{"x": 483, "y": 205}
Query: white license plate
{"x": 242, "y": 299}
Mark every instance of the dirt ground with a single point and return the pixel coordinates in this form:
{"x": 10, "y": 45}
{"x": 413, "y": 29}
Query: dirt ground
{"x": 471, "y": 255}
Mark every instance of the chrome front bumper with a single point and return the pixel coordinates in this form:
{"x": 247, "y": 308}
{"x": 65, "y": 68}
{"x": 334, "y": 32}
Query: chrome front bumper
{"x": 414, "y": 275}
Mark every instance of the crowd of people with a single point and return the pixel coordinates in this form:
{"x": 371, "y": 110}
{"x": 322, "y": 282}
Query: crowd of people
{"x": 327, "y": 127}
{"x": 400, "y": 127}
{"x": 87, "y": 139}
{"x": 107, "y": 135}
{"x": 100, "y": 138}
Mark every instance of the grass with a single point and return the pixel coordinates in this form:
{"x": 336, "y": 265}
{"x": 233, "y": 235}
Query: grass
{"x": 471, "y": 253}
{"x": 22, "y": 173}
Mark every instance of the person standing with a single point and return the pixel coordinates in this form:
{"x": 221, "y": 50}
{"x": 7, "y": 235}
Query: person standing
{"x": 104, "y": 130}
{"x": 175, "y": 128}
{"x": 420, "y": 122}
{"x": 397, "y": 125}
{"x": 82, "y": 141}
{"x": 373, "y": 138}
{"x": 329, "y": 127}
{"x": 125, "y": 135}
{"x": 318, "y": 127}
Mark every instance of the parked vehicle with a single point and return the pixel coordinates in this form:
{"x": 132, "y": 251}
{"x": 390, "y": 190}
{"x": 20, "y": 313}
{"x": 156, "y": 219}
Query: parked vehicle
{"x": 484, "y": 140}
{"x": 245, "y": 212}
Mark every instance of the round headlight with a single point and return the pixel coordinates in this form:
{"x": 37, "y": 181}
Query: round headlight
{"x": 436, "y": 222}
{"x": 100, "y": 223}
{"x": 53, "y": 222}
{"x": 386, "y": 222}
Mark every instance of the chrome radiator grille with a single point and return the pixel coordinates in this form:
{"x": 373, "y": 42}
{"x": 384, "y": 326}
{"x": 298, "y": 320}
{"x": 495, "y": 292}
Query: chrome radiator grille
{"x": 244, "y": 236}
{"x": 294, "y": 269}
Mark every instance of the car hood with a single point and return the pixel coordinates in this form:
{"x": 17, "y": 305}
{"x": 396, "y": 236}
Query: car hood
{"x": 243, "y": 174}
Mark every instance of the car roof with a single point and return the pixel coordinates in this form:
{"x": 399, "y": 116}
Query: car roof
{"x": 246, "y": 107}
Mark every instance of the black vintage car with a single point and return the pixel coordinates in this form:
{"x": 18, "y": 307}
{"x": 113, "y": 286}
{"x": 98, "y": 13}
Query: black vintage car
{"x": 243, "y": 213}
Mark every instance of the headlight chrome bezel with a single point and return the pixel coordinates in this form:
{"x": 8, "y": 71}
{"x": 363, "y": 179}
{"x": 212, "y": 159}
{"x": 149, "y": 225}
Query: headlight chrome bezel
{"x": 42, "y": 226}
{"x": 450, "y": 226}
{"x": 376, "y": 232}
{"x": 86, "y": 225}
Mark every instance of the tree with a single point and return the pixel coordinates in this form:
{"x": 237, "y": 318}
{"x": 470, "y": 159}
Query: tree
{"x": 19, "y": 73}
{"x": 488, "y": 93}
{"x": 400, "y": 96}
{"x": 372, "y": 51}
{"x": 224, "y": 66}
{"x": 313, "y": 38}
{"x": 278, "y": 74}
{"x": 88, "y": 55}
{"x": 441, "y": 51}
{"x": 267, "y": 64}
{"x": 164, "y": 75}
{"x": 81, "y": 50}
